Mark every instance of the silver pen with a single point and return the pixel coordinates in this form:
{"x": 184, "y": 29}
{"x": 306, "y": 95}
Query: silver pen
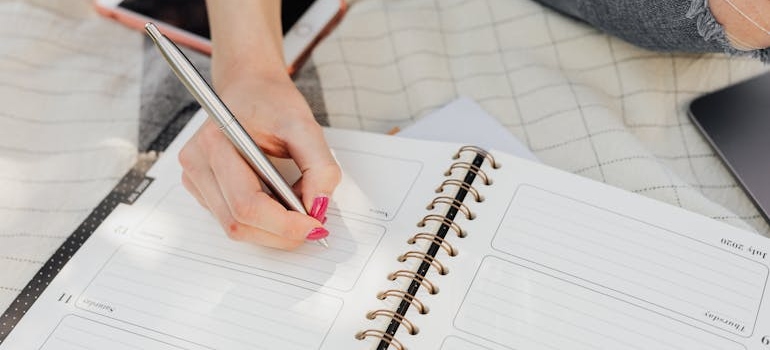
{"x": 216, "y": 109}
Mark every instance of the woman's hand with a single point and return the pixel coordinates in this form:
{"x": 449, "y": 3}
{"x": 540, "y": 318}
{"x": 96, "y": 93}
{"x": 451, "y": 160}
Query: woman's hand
{"x": 250, "y": 76}
{"x": 279, "y": 120}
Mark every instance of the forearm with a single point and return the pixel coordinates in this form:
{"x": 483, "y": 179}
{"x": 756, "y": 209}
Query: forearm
{"x": 246, "y": 38}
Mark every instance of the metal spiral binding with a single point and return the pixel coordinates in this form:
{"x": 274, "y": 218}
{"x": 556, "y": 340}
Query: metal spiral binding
{"x": 403, "y": 295}
{"x": 442, "y": 270}
{"x": 464, "y": 185}
{"x": 434, "y": 238}
{"x": 376, "y": 333}
{"x": 443, "y": 220}
{"x": 410, "y": 327}
{"x": 460, "y": 206}
{"x": 414, "y": 276}
{"x": 438, "y": 241}
{"x": 472, "y": 168}
{"x": 480, "y": 151}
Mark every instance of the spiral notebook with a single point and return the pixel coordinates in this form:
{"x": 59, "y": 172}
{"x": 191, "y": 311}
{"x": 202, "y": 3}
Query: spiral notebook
{"x": 433, "y": 246}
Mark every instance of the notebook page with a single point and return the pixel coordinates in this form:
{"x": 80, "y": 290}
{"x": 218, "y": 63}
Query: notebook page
{"x": 487, "y": 132}
{"x": 160, "y": 272}
{"x": 555, "y": 261}
{"x": 69, "y": 113}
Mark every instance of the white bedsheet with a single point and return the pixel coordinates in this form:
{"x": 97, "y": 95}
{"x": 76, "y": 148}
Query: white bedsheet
{"x": 69, "y": 110}
{"x": 582, "y": 101}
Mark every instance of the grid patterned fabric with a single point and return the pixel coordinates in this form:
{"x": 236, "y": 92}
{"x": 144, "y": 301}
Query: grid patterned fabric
{"x": 582, "y": 101}
{"x": 69, "y": 115}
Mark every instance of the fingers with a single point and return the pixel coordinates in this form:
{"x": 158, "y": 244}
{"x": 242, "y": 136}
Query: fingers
{"x": 190, "y": 187}
{"x": 224, "y": 183}
{"x": 279, "y": 120}
{"x": 248, "y": 203}
{"x": 320, "y": 172}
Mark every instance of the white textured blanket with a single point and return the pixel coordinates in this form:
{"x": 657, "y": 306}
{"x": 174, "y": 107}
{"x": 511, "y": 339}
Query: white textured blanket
{"x": 69, "y": 113}
{"x": 582, "y": 101}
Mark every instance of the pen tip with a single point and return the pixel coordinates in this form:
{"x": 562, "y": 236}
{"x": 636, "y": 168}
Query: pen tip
{"x": 323, "y": 243}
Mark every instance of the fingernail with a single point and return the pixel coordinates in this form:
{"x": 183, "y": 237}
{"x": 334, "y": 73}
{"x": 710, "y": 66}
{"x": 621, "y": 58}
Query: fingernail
{"x": 318, "y": 210}
{"x": 317, "y": 233}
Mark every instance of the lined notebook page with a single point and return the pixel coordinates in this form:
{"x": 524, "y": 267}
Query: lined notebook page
{"x": 513, "y": 305}
{"x": 551, "y": 261}
{"x": 183, "y": 224}
{"x": 161, "y": 272}
{"x": 554, "y": 261}
{"x": 636, "y": 258}
{"x": 69, "y": 104}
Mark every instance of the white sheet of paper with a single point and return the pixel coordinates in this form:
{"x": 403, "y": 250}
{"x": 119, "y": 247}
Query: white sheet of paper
{"x": 464, "y": 121}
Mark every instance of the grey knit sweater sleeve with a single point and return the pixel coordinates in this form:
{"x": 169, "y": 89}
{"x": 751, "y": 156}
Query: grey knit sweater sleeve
{"x": 661, "y": 25}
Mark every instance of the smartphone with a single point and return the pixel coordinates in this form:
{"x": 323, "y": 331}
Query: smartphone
{"x": 185, "y": 22}
{"x": 736, "y": 122}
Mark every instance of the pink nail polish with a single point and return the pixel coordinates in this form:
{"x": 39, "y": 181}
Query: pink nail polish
{"x": 317, "y": 233}
{"x": 318, "y": 210}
